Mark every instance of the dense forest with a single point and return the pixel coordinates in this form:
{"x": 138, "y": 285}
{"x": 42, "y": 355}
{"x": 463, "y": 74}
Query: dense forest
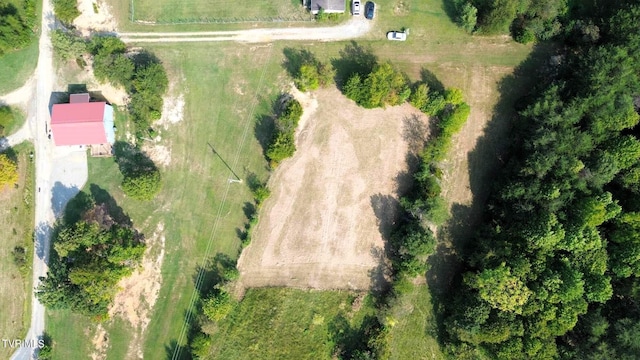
{"x": 554, "y": 270}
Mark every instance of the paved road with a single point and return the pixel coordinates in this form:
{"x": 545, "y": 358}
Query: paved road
{"x": 354, "y": 28}
{"x": 60, "y": 172}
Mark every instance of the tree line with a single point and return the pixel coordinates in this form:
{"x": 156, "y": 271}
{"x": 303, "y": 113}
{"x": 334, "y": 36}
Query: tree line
{"x": 556, "y": 259}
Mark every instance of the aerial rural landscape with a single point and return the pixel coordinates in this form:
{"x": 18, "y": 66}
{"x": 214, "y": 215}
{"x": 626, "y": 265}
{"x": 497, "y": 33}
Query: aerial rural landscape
{"x": 320, "y": 179}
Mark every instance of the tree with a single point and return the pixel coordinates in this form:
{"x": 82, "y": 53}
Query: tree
{"x": 420, "y": 97}
{"x": 500, "y": 288}
{"x": 218, "y": 305}
{"x": 67, "y": 46}
{"x": 66, "y": 10}
{"x": 309, "y": 78}
{"x": 8, "y": 171}
{"x": 468, "y": 17}
{"x": 142, "y": 185}
{"x": 14, "y": 30}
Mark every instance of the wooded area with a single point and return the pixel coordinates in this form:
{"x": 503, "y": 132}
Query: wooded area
{"x": 553, "y": 271}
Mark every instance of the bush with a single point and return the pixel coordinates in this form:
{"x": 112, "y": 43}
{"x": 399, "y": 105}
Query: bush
{"x": 8, "y": 171}
{"x": 218, "y": 306}
{"x": 468, "y": 17}
{"x": 261, "y": 193}
{"x": 383, "y": 86}
{"x": 66, "y": 10}
{"x": 309, "y": 79}
{"x": 420, "y": 97}
{"x": 282, "y": 147}
{"x": 142, "y": 185}
{"x": 67, "y": 46}
{"x": 200, "y": 346}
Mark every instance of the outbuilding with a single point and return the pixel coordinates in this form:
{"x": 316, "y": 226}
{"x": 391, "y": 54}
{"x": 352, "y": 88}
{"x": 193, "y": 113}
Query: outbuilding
{"x": 328, "y": 6}
{"x": 85, "y": 123}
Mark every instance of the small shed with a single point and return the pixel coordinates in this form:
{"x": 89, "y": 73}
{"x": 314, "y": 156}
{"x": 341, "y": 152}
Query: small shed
{"x": 329, "y": 6}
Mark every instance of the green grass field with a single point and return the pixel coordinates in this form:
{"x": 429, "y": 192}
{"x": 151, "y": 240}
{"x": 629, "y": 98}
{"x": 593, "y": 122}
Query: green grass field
{"x": 277, "y": 323}
{"x": 226, "y": 89}
{"x": 16, "y": 222}
{"x": 225, "y": 86}
{"x": 170, "y": 11}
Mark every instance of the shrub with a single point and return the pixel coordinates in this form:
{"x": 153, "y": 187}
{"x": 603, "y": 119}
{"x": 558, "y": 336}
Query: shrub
{"x": 67, "y": 46}
{"x": 468, "y": 17}
{"x": 282, "y": 147}
{"x": 261, "y": 193}
{"x": 420, "y": 97}
{"x": 309, "y": 79}
{"x": 66, "y": 10}
{"x": 200, "y": 346}
{"x": 218, "y": 306}
{"x": 453, "y": 96}
{"x": 8, "y": 171}
{"x": 142, "y": 185}
{"x": 383, "y": 86}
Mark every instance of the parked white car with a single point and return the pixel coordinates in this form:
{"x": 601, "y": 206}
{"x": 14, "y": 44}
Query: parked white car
{"x": 397, "y": 35}
{"x": 355, "y": 7}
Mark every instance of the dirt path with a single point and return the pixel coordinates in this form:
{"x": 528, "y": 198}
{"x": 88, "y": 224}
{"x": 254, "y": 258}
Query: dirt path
{"x": 355, "y": 27}
{"x": 332, "y": 202}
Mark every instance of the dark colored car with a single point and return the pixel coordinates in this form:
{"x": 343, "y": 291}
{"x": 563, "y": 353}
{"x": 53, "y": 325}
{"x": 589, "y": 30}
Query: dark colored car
{"x": 369, "y": 10}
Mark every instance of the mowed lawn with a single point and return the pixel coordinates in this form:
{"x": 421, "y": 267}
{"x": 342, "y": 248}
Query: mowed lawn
{"x": 16, "y": 222}
{"x": 167, "y": 11}
{"x": 226, "y": 88}
{"x": 276, "y": 323}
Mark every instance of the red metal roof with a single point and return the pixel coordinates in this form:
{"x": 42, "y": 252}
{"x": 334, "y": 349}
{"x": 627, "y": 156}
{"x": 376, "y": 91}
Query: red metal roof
{"x": 78, "y": 123}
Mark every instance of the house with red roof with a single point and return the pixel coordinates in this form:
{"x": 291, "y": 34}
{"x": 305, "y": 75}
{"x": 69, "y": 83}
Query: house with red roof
{"x": 81, "y": 122}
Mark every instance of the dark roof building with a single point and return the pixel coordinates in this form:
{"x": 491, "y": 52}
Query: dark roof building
{"x": 329, "y": 6}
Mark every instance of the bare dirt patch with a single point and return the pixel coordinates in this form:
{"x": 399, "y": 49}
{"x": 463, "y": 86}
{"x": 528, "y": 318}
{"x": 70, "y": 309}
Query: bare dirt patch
{"x": 90, "y": 20}
{"x": 160, "y": 154}
{"x": 139, "y": 293}
{"x": 322, "y": 226}
{"x": 100, "y": 343}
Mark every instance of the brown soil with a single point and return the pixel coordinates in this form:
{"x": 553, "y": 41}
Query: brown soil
{"x": 333, "y": 200}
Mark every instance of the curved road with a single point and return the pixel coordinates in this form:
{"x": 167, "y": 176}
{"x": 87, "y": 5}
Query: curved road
{"x": 61, "y": 172}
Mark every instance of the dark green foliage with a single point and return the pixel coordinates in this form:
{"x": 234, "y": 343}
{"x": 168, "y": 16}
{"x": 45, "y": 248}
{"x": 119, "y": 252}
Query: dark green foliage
{"x": 559, "y": 243}
{"x": 141, "y": 177}
{"x": 527, "y": 20}
{"x": 15, "y": 27}
{"x": 307, "y": 71}
{"x": 383, "y": 86}
{"x": 468, "y": 17}
{"x": 66, "y": 10}
{"x": 88, "y": 260}
{"x": 410, "y": 245}
{"x": 283, "y": 144}
{"x": 69, "y": 47}
{"x": 145, "y": 79}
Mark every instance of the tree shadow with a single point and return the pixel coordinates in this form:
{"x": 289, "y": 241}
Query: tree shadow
{"x": 486, "y": 162}
{"x": 415, "y": 132}
{"x": 212, "y": 273}
{"x": 264, "y": 129}
{"x": 60, "y": 196}
{"x": 350, "y": 340}
{"x": 7, "y": 150}
{"x": 42, "y": 234}
{"x": 429, "y": 78}
{"x": 102, "y": 196}
{"x": 451, "y": 9}
{"x": 386, "y": 209}
{"x": 76, "y": 207}
{"x": 57, "y": 97}
{"x": 354, "y": 58}
{"x": 77, "y": 89}
{"x": 295, "y": 58}
{"x": 131, "y": 160}
{"x": 143, "y": 58}
{"x": 175, "y": 351}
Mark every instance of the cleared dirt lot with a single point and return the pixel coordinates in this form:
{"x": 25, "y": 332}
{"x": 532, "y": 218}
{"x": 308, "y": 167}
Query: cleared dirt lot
{"x": 322, "y": 226}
